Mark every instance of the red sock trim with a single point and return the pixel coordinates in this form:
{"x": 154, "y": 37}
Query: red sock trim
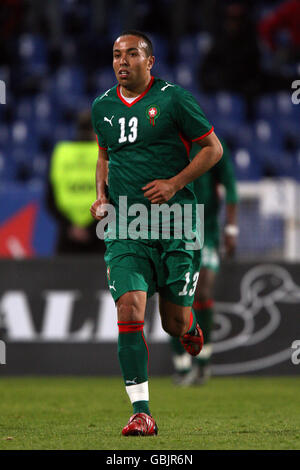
{"x": 134, "y": 327}
{"x": 202, "y": 305}
{"x": 147, "y": 351}
{"x": 191, "y": 320}
{"x": 130, "y": 326}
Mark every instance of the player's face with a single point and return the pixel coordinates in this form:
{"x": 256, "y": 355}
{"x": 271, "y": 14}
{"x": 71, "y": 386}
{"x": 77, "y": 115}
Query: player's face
{"x": 130, "y": 62}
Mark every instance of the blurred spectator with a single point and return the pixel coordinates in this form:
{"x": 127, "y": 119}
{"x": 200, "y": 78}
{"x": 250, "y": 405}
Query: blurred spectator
{"x": 233, "y": 62}
{"x": 71, "y": 190}
{"x": 285, "y": 18}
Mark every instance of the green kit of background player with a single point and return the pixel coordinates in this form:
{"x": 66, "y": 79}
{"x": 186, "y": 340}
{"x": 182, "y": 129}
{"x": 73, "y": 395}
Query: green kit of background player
{"x": 145, "y": 127}
{"x": 207, "y": 192}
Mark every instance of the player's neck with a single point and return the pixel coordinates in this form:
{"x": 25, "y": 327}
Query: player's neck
{"x": 131, "y": 93}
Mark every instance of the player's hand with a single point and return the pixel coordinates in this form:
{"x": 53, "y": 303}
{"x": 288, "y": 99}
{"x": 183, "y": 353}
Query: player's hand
{"x": 159, "y": 191}
{"x": 97, "y": 212}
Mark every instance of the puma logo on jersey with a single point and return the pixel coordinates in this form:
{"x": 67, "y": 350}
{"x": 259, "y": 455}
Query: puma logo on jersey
{"x": 105, "y": 94}
{"x": 166, "y": 86}
{"x": 113, "y": 286}
{"x": 109, "y": 120}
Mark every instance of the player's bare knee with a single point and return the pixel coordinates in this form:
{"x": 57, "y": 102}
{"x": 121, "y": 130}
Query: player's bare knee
{"x": 128, "y": 312}
{"x": 130, "y": 307}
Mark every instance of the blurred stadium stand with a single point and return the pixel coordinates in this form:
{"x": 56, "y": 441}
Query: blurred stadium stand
{"x": 50, "y": 78}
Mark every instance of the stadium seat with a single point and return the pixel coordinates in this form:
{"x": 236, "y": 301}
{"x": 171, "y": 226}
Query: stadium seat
{"x": 33, "y": 53}
{"x": 23, "y": 145}
{"x": 243, "y": 135}
{"x": 184, "y": 76}
{"x": 291, "y": 135}
{"x": 288, "y": 115}
{"x": 104, "y": 79}
{"x": 46, "y": 113}
{"x": 207, "y": 103}
{"x": 4, "y": 136}
{"x": 266, "y": 106}
{"x": 40, "y": 166}
{"x": 290, "y": 165}
{"x": 188, "y": 51}
{"x": 68, "y": 80}
{"x": 114, "y": 26}
{"x": 24, "y": 109}
{"x": 64, "y": 132}
{"x": 42, "y": 107}
{"x": 204, "y": 42}
{"x": 23, "y": 135}
{"x": 285, "y": 106}
{"x": 230, "y": 106}
{"x": 227, "y": 113}
{"x": 8, "y": 167}
{"x": 238, "y": 135}
{"x": 161, "y": 47}
{"x": 163, "y": 71}
{"x": 248, "y": 167}
{"x": 267, "y": 135}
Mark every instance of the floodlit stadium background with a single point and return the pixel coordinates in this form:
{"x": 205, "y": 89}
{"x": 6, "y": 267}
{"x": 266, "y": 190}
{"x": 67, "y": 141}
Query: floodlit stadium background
{"x": 55, "y": 58}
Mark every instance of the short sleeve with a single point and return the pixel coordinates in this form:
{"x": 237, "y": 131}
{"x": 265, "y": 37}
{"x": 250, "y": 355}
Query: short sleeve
{"x": 95, "y": 121}
{"x": 190, "y": 118}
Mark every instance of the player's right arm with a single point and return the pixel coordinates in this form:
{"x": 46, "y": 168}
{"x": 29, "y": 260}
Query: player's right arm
{"x": 101, "y": 184}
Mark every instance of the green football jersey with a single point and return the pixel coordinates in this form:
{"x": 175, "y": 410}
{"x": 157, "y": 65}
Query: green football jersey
{"x": 206, "y": 191}
{"x": 148, "y": 139}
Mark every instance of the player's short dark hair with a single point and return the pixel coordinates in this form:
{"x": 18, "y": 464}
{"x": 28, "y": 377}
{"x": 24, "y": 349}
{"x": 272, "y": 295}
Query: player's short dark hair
{"x": 139, "y": 34}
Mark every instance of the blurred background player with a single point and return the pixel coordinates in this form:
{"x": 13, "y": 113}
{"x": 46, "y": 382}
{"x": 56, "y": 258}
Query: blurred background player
{"x": 207, "y": 190}
{"x": 71, "y": 190}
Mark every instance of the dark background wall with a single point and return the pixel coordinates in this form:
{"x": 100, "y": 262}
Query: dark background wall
{"x": 57, "y": 317}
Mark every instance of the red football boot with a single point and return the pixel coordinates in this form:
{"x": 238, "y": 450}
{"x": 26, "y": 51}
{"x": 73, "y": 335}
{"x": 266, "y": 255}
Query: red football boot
{"x": 193, "y": 343}
{"x": 140, "y": 424}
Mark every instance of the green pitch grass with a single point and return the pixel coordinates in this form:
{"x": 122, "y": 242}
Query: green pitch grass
{"x": 89, "y": 413}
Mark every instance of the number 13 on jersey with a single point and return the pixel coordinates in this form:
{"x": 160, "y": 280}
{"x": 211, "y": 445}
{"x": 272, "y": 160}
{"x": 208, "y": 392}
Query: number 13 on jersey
{"x": 133, "y": 129}
{"x": 191, "y": 291}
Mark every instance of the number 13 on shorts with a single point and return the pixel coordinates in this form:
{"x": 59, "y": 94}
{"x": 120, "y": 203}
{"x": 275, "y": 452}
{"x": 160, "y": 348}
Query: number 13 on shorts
{"x": 185, "y": 289}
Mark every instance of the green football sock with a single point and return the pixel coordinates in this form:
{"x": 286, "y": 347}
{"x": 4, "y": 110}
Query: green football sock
{"x": 141, "y": 406}
{"x": 133, "y": 358}
{"x": 176, "y": 346}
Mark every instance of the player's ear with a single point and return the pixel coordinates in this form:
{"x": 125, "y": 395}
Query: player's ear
{"x": 151, "y": 60}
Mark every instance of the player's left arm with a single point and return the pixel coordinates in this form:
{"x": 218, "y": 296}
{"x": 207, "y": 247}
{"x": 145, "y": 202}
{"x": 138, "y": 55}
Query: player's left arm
{"x": 210, "y": 152}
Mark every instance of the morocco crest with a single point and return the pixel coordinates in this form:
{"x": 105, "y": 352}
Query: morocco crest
{"x": 152, "y": 113}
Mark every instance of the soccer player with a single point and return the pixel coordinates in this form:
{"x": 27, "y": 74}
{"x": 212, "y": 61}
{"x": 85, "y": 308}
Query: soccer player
{"x": 144, "y": 128}
{"x": 207, "y": 192}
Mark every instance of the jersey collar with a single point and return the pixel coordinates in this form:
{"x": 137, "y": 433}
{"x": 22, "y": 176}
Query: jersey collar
{"x": 138, "y": 98}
